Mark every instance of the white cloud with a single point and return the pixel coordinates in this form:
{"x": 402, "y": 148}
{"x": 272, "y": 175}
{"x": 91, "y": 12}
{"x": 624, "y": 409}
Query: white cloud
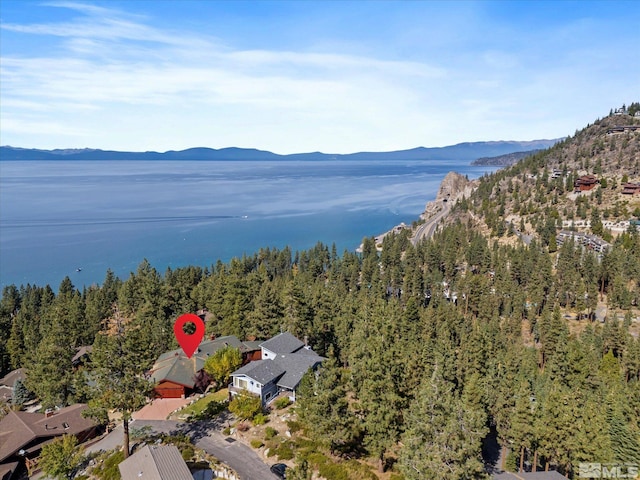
{"x": 121, "y": 83}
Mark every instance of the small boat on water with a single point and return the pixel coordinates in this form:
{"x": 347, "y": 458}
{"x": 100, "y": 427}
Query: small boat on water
{"x": 79, "y": 269}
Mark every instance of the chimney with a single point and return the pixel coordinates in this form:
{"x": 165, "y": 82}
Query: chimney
{"x": 306, "y": 341}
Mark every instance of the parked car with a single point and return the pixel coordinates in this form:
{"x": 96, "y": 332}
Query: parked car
{"x": 279, "y": 469}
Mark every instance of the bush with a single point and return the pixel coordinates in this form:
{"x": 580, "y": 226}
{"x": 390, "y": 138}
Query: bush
{"x": 260, "y": 419}
{"x": 270, "y": 432}
{"x": 226, "y": 431}
{"x": 294, "y": 426}
{"x": 282, "y": 402}
{"x": 213, "y": 409}
{"x": 284, "y": 451}
{"x": 187, "y": 453}
{"x": 333, "y": 471}
{"x": 245, "y": 406}
{"x": 108, "y": 470}
{"x": 255, "y": 443}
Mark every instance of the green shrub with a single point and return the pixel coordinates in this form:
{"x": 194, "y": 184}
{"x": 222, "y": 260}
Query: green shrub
{"x": 294, "y": 426}
{"x": 226, "y": 431}
{"x": 108, "y": 469}
{"x": 333, "y": 471}
{"x": 284, "y": 451}
{"x": 213, "y": 409}
{"x": 360, "y": 470}
{"x": 260, "y": 419}
{"x": 282, "y": 402}
{"x": 245, "y": 406}
{"x": 396, "y": 476}
{"x": 187, "y": 453}
{"x": 270, "y": 432}
{"x": 255, "y": 443}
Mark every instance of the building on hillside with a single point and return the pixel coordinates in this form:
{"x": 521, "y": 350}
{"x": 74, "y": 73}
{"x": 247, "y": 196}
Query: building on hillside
{"x": 285, "y": 360}
{"x": 585, "y": 182}
{"x": 631, "y": 188}
{"x": 618, "y": 129}
{"x": 23, "y": 434}
{"x": 155, "y": 462}
{"x": 592, "y": 242}
{"x": 174, "y": 374}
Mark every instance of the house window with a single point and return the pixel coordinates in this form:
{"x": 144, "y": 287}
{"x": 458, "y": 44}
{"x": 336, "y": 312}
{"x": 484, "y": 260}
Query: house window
{"x": 268, "y": 396}
{"x": 241, "y": 383}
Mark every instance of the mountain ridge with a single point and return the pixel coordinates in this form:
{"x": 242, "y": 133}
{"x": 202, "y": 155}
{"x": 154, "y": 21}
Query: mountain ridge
{"x": 468, "y": 151}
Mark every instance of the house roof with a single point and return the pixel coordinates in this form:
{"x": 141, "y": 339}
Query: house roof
{"x": 6, "y": 393}
{"x": 7, "y": 469}
{"x": 156, "y": 462}
{"x": 262, "y": 371}
{"x": 295, "y": 366}
{"x": 21, "y": 428}
{"x": 174, "y": 366}
{"x": 10, "y": 378}
{"x": 550, "y": 475}
{"x": 282, "y": 343}
{"x": 287, "y": 370}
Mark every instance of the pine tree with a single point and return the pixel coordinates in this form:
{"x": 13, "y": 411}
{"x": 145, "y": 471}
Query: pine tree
{"x": 119, "y": 365}
{"x": 443, "y": 437}
{"x": 324, "y": 408}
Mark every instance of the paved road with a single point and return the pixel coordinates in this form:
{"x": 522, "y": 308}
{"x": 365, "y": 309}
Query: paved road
{"x": 428, "y": 227}
{"x": 205, "y": 435}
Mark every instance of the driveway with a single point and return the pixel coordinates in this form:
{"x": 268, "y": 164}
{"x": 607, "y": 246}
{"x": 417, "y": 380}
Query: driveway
{"x": 206, "y": 435}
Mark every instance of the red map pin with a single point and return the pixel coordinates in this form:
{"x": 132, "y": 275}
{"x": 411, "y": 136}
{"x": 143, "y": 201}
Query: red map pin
{"x": 189, "y": 342}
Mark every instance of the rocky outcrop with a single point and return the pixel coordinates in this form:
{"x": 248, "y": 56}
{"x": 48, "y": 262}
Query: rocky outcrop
{"x": 454, "y": 185}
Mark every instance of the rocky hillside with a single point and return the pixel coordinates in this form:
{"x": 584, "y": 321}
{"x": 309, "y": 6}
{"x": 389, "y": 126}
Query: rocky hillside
{"x": 503, "y": 160}
{"x": 536, "y": 195}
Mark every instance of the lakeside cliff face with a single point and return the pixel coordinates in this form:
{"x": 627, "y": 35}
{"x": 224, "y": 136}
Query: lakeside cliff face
{"x": 454, "y": 185}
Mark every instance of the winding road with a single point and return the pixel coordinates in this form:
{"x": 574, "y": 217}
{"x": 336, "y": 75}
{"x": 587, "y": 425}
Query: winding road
{"x": 427, "y": 229}
{"x": 205, "y": 435}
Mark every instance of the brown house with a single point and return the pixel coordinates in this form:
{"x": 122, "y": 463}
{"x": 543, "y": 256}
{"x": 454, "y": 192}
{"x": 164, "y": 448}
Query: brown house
{"x": 585, "y": 182}
{"x": 631, "y": 188}
{"x": 22, "y": 434}
{"x": 174, "y": 374}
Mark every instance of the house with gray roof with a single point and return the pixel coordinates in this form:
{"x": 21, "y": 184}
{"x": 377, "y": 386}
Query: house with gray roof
{"x": 285, "y": 360}
{"x": 155, "y": 462}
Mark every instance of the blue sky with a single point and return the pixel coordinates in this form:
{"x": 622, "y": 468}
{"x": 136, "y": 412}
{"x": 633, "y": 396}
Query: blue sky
{"x": 331, "y": 76}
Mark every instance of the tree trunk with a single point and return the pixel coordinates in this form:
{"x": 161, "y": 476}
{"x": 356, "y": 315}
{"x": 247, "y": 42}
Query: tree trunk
{"x": 125, "y": 444}
{"x": 521, "y": 459}
{"x": 535, "y": 461}
{"x": 381, "y": 463}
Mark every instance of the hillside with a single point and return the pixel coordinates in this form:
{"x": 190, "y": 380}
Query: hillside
{"x": 460, "y": 152}
{"x": 503, "y": 160}
{"x": 536, "y": 195}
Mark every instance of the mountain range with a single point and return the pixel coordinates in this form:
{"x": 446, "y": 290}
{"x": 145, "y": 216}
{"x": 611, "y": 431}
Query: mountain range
{"x": 468, "y": 151}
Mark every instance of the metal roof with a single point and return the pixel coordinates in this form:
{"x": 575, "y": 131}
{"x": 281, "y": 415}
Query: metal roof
{"x": 156, "y": 462}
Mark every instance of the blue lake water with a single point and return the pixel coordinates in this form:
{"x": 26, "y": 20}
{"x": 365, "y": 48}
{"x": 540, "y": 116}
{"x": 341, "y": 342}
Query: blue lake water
{"x": 58, "y": 217}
